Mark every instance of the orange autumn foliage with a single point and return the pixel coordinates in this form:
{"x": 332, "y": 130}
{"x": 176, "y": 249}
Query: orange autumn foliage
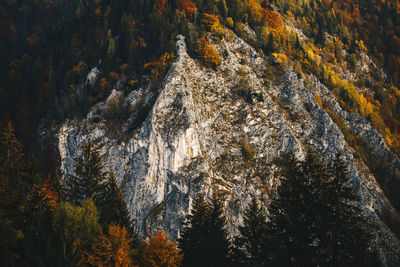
{"x": 50, "y": 191}
{"x": 256, "y": 11}
{"x": 207, "y": 53}
{"x": 272, "y": 18}
{"x": 160, "y": 6}
{"x": 212, "y": 24}
{"x": 186, "y": 6}
{"x": 113, "y": 249}
{"x": 209, "y": 20}
{"x": 159, "y": 251}
{"x": 159, "y": 67}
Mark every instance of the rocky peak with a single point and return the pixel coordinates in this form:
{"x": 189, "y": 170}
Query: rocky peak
{"x": 223, "y": 129}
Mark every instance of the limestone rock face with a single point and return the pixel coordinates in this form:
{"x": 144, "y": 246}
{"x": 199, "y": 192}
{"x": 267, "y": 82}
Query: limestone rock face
{"x": 222, "y": 128}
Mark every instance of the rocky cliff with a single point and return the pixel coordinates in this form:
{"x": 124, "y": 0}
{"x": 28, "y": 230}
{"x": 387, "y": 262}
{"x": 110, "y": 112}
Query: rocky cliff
{"x": 222, "y": 128}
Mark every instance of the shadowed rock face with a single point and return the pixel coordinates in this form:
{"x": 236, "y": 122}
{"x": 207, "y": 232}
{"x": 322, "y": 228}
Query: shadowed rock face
{"x": 223, "y": 128}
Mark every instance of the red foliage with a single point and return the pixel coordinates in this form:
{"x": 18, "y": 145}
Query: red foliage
{"x": 51, "y": 192}
{"x": 160, "y": 6}
{"x": 187, "y": 6}
{"x": 272, "y": 18}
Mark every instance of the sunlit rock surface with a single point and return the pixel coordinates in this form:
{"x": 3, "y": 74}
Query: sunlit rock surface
{"x": 222, "y": 129}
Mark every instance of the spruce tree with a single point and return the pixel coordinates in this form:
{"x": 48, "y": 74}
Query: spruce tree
{"x": 315, "y": 220}
{"x": 251, "y": 242}
{"x": 112, "y": 206}
{"x": 346, "y": 238}
{"x": 218, "y": 242}
{"x": 204, "y": 238}
{"x": 89, "y": 174}
{"x": 191, "y": 241}
{"x": 91, "y": 181}
{"x": 290, "y": 234}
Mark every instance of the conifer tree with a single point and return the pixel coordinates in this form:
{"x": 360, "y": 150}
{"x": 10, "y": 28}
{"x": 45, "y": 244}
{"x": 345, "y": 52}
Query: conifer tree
{"x": 204, "y": 238}
{"x": 315, "y": 220}
{"x": 290, "y": 235}
{"x": 250, "y": 244}
{"x": 112, "y": 206}
{"x": 86, "y": 183}
{"x": 90, "y": 181}
{"x": 14, "y": 179}
{"x": 219, "y": 241}
{"x": 346, "y": 239}
{"x": 192, "y": 235}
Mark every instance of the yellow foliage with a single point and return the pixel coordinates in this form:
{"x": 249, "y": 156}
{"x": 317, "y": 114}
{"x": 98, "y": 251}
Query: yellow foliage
{"x": 280, "y": 58}
{"x": 389, "y": 141}
{"x": 361, "y": 45}
{"x": 318, "y": 99}
{"x": 209, "y": 20}
{"x": 255, "y": 10}
{"x": 103, "y": 83}
{"x": 98, "y": 12}
{"x": 393, "y": 90}
{"x": 113, "y": 75}
{"x": 272, "y": 18}
{"x": 207, "y": 53}
{"x": 81, "y": 67}
{"x": 217, "y": 30}
{"x": 247, "y": 150}
{"x": 187, "y": 6}
{"x": 229, "y": 22}
{"x": 159, "y": 67}
{"x": 212, "y": 24}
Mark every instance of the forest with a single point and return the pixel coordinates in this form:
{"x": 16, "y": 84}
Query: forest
{"x": 48, "y": 47}
{"x": 85, "y": 221}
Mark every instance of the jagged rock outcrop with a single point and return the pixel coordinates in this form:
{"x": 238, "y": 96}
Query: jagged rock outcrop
{"x": 222, "y": 129}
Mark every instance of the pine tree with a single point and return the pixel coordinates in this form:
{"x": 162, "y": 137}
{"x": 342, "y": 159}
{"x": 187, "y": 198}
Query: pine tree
{"x": 86, "y": 183}
{"x": 250, "y": 244}
{"x": 290, "y": 234}
{"x": 112, "y": 206}
{"x": 218, "y": 242}
{"x": 14, "y": 179}
{"x": 90, "y": 181}
{"x": 346, "y": 239}
{"x": 14, "y": 188}
{"x": 315, "y": 220}
{"x": 204, "y": 238}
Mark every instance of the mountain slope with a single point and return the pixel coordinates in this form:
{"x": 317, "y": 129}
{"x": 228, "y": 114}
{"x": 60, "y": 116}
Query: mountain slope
{"x": 223, "y": 128}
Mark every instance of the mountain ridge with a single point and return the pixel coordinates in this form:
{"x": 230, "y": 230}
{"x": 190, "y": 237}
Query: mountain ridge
{"x": 173, "y": 155}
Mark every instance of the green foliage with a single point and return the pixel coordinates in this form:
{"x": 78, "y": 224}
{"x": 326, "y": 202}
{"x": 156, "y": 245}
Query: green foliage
{"x": 315, "y": 219}
{"x": 345, "y": 232}
{"x": 89, "y": 175}
{"x": 251, "y": 246}
{"x": 112, "y": 206}
{"x": 77, "y": 226}
{"x": 291, "y": 229}
{"x": 204, "y": 233}
{"x": 14, "y": 179}
{"x": 90, "y": 181}
{"x": 247, "y": 150}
